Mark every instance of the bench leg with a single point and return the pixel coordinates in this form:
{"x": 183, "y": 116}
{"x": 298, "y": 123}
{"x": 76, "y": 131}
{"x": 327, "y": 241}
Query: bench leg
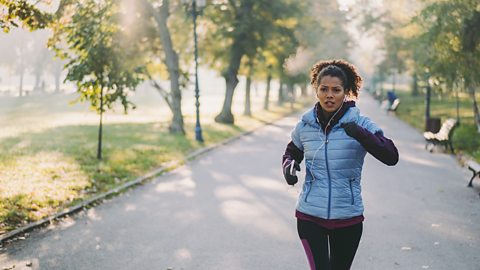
{"x": 429, "y": 146}
{"x": 471, "y": 180}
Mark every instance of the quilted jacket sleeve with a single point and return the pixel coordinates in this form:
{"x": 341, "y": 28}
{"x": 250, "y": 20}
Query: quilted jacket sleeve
{"x": 373, "y": 140}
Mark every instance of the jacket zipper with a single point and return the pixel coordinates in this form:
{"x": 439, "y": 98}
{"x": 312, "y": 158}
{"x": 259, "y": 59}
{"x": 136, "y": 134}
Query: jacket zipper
{"x": 329, "y": 179}
{"x": 351, "y": 190}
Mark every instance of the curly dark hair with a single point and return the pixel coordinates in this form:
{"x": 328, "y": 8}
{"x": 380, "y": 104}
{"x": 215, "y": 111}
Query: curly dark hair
{"x": 337, "y": 68}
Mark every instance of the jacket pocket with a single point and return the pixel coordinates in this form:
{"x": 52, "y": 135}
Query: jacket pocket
{"x": 308, "y": 187}
{"x": 351, "y": 190}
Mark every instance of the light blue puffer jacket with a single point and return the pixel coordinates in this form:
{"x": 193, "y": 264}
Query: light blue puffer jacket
{"x": 331, "y": 189}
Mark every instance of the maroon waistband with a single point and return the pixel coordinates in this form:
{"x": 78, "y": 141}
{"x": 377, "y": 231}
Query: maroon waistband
{"x": 330, "y": 224}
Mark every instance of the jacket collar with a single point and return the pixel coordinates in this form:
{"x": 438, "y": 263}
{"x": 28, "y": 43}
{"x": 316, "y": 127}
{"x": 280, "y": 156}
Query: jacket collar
{"x": 316, "y": 118}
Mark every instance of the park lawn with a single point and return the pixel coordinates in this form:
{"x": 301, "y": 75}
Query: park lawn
{"x": 466, "y": 139}
{"x": 43, "y": 172}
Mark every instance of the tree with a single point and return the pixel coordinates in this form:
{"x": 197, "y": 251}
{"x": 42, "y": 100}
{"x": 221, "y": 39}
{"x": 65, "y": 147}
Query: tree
{"x": 243, "y": 27}
{"x": 453, "y": 44}
{"x": 32, "y": 16}
{"x": 15, "y": 58}
{"x": 389, "y": 23}
{"x": 21, "y": 12}
{"x": 250, "y": 67}
{"x": 319, "y": 35}
{"x": 99, "y": 62}
{"x": 56, "y": 69}
{"x": 266, "y": 101}
{"x": 42, "y": 58}
{"x": 160, "y": 12}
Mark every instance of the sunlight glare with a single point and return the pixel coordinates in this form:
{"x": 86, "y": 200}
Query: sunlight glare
{"x": 129, "y": 11}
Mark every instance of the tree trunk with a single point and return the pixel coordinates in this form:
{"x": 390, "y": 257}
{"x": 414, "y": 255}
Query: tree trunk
{"x": 57, "y": 73}
{"x": 21, "y": 70}
{"x": 248, "y": 109}
{"x": 427, "y": 103}
{"x": 171, "y": 59}
{"x": 267, "y": 94}
{"x": 457, "y": 100}
{"x": 394, "y": 78}
{"x": 237, "y": 50}
{"x": 303, "y": 90}
{"x": 177, "y": 125}
{"x": 226, "y": 115}
{"x": 38, "y": 78}
{"x": 20, "y": 89}
{"x": 476, "y": 112}
{"x": 281, "y": 96}
{"x": 231, "y": 82}
{"x": 100, "y": 127}
{"x": 291, "y": 94}
{"x": 415, "y": 91}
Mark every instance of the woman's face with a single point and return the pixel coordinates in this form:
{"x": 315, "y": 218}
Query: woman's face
{"x": 330, "y": 93}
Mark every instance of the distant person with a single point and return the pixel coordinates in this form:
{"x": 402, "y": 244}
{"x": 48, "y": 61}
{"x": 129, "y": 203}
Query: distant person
{"x": 391, "y": 98}
{"x": 333, "y": 138}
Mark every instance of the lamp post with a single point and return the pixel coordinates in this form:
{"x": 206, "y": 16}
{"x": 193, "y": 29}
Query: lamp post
{"x": 195, "y": 4}
{"x": 428, "y": 93}
{"x": 432, "y": 124}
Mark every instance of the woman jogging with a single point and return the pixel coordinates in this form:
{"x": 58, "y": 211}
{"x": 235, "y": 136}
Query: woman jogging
{"x": 333, "y": 138}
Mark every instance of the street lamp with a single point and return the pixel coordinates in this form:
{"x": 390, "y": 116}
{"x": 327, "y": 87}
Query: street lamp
{"x": 432, "y": 124}
{"x": 195, "y": 13}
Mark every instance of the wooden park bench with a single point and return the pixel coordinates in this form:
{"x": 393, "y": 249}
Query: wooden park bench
{"x": 475, "y": 168}
{"x": 442, "y": 137}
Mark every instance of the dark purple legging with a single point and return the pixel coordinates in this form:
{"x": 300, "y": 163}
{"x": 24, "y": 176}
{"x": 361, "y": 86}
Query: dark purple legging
{"x": 329, "y": 249}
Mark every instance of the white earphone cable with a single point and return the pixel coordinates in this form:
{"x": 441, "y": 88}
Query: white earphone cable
{"x": 324, "y": 140}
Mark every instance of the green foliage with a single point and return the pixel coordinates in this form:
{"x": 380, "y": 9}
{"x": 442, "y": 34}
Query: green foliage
{"x": 103, "y": 69}
{"x": 319, "y": 34}
{"x": 453, "y": 54}
{"x": 444, "y": 55}
{"x": 15, "y": 12}
{"x": 257, "y": 29}
{"x": 440, "y": 45}
{"x": 466, "y": 138}
{"x": 145, "y": 32}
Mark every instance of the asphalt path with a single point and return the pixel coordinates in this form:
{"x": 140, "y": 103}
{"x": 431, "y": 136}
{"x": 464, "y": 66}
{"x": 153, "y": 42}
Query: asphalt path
{"x": 231, "y": 209}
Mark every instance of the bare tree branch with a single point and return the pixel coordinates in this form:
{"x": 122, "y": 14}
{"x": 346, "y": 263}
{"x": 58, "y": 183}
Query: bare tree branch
{"x": 163, "y": 92}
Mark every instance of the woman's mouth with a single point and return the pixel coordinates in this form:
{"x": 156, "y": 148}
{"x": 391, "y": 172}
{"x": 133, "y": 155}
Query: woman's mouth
{"x": 329, "y": 103}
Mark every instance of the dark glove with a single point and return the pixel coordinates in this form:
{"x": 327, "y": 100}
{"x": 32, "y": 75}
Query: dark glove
{"x": 353, "y": 130}
{"x": 290, "y": 167}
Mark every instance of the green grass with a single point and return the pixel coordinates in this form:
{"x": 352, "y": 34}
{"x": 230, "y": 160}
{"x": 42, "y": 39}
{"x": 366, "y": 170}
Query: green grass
{"x": 466, "y": 139}
{"x": 44, "y": 172}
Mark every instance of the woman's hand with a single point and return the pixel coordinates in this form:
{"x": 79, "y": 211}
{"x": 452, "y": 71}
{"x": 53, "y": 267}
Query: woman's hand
{"x": 290, "y": 167}
{"x": 352, "y": 129}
